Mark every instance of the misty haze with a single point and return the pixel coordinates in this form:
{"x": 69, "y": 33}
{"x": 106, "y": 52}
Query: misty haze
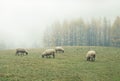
{"x": 59, "y": 40}
{"x": 39, "y": 23}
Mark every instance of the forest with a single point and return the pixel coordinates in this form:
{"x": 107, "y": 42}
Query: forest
{"x": 96, "y": 32}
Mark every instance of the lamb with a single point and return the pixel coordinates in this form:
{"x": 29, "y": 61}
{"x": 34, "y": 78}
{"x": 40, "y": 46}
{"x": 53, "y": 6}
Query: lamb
{"x": 48, "y": 53}
{"x": 21, "y": 51}
{"x": 60, "y": 49}
{"x": 90, "y": 56}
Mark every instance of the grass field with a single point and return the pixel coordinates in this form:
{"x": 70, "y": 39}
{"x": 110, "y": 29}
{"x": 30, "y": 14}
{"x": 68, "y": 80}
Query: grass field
{"x": 70, "y": 66}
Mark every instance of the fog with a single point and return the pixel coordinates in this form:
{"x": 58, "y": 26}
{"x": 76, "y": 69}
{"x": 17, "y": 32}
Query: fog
{"x": 22, "y": 22}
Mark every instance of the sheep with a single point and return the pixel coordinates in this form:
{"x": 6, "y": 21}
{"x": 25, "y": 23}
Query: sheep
{"x": 90, "y": 56}
{"x": 48, "y": 53}
{"x": 21, "y": 51}
{"x": 60, "y": 49}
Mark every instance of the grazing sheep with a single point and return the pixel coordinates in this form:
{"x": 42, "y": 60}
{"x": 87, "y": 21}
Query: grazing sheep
{"x": 48, "y": 53}
{"x": 60, "y": 49}
{"x": 21, "y": 51}
{"x": 90, "y": 56}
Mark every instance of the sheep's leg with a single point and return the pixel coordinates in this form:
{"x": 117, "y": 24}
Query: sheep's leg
{"x": 49, "y": 56}
{"x": 93, "y": 59}
{"x": 18, "y": 54}
{"x": 21, "y": 54}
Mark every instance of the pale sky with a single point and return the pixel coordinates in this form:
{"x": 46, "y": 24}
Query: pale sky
{"x": 22, "y": 22}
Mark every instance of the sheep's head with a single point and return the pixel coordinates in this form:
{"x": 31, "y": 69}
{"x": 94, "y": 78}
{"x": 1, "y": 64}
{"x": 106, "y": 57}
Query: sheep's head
{"x": 26, "y": 53}
{"x": 63, "y": 51}
{"x": 42, "y": 56}
{"x": 88, "y": 58}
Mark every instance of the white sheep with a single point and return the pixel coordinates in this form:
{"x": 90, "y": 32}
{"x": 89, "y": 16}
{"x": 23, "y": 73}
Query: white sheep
{"x": 90, "y": 56}
{"x": 60, "y": 49}
{"x": 48, "y": 53}
{"x": 21, "y": 51}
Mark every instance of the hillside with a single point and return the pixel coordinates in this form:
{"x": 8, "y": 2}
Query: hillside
{"x": 70, "y": 66}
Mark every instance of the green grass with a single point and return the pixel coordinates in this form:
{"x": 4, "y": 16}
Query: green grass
{"x": 70, "y": 66}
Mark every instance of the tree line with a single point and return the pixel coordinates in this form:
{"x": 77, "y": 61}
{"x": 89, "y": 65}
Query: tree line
{"x": 96, "y": 32}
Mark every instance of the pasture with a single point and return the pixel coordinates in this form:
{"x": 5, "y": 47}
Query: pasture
{"x": 68, "y": 66}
